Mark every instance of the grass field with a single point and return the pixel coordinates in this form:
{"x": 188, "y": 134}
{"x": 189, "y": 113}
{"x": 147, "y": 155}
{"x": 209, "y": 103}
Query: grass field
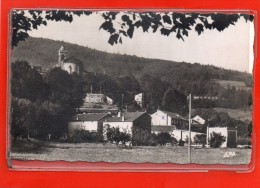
{"x": 110, "y": 153}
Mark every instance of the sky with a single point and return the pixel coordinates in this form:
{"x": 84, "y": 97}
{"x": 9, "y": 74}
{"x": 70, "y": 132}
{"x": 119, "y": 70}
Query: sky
{"x": 230, "y": 49}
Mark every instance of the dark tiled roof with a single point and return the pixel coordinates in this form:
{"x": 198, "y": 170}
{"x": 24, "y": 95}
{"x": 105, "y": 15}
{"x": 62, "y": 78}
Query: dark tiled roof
{"x": 89, "y": 117}
{"x": 129, "y": 117}
{"x": 174, "y": 115}
{"x": 72, "y": 60}
{"x": 162, "y": 128}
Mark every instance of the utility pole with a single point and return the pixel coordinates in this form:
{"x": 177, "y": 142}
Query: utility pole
{"x": 122, "y": 101}
{"x": 207, "y": 141}
{"x": 189, "y": 146}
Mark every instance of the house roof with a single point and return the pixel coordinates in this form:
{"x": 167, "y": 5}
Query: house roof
{"x": 160, "y": 128}
{"x": 199, "y": 120}
{"x": 99, "y": 95}
{"x": 62, "y": 49}
{"x": 139, "y": 94}
{"x": 174, "y": 115}
{"x": 72, "y": 60}
{"x": 89, "y": 117}
{"x": 129, "y": 117}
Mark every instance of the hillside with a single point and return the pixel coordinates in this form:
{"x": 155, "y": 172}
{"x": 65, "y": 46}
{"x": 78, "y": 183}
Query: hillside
{"x": 244, "y": 115}
{"x": 44, "y": 52}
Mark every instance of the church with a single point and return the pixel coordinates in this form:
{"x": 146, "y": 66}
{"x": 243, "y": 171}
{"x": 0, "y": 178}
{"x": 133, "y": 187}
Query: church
{"x": 69, "y": 64}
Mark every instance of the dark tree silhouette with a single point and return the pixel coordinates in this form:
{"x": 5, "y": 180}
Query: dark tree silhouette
{"x": 124, "y": 25}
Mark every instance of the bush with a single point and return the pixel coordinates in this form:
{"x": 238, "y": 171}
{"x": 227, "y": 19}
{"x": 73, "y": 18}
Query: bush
{"x": 145, "y": 138}
{"x": 114, "y": 135}
{"x": 81, "y": 136}
{"x": 216, "y": 140}
{"x": 153, "y": 141}
{"x": 244, "y": 141}
{"x": 200, "y": 139}
{"x": 164, "y": 138}
{"x": 181, "y": 142}
{"x": 142, "y": 137}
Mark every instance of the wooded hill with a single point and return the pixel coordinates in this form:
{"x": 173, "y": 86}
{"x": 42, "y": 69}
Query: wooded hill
{"x": 44, "y": 52}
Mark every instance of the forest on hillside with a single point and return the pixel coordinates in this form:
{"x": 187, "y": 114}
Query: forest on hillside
{"x": 186, "y": 77}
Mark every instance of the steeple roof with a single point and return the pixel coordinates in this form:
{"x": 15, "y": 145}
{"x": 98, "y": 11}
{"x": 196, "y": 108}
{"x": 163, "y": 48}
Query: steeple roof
{"x": 62, "y": 49}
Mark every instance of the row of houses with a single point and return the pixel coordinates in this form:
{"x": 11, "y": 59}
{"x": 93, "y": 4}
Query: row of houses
{"x": 95, "y": 122}
{"x": 160, "y": 121}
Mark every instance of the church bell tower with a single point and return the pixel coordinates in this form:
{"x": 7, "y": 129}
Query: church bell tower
{"x": 63, "y": 54}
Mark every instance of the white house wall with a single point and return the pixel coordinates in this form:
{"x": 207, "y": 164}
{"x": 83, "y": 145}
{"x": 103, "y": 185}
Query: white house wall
{"x": 70, "y": 67}
{"x": 123, "y": 126}
{"x": 91, "y": 126}
{"x": 109, "y": 100}
{"x": 160, "y": 118}
{"x": 185, "y": 134}
{"x": 139, "y": 99}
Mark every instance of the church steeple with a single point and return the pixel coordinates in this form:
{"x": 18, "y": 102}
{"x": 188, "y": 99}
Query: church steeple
{"x": 63, "y": 54}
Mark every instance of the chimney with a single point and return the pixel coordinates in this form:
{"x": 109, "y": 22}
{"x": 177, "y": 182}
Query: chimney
{"x": 123, "y": 117}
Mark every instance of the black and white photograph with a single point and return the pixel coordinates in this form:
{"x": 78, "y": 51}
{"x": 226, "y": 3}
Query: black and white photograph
{"x": 134, "y": 86}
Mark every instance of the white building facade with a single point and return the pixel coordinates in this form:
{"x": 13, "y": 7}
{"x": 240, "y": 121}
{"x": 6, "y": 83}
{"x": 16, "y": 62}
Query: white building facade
{"x": 229, "y": 134}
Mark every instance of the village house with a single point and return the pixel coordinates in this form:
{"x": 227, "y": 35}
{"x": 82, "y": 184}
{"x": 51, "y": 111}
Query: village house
{"x": 139, "y": 98}
{"x": 97, "y": 103}
{"x": 129, "y": 121}
{"x": 198, "y": 120}
{"x": 173, "y": 123}
{"x": 89, "y": 122}
{"x": 98, "y": 98}
{"x": 198, "y": 124}
{"x": 165, "y": 118}
{"x": 212, "y": 98}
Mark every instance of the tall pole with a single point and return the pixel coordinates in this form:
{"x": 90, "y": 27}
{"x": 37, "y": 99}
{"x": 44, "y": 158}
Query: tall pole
{"x": 189, "y": 146}
{"x": 122, "y": 101}
{"x": 208, "y": 134}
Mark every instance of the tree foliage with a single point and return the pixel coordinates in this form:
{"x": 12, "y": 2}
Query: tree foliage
{"x": 42, "y": 106}
{"x": 216, "y": 140}
{"x": 120, "y": 25}
{"x": 145, "y": 138}
{"x": 114, "y": 135}
{"x": 141, "y": 137}
{"x": 174, "y": 101}
{"x": 26, "y": 82}
{"x": 164, "y": 138}
{"x": 200, "y": 139}
{"x": 22, "y": 114}
{"x": 84, "y": 136}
